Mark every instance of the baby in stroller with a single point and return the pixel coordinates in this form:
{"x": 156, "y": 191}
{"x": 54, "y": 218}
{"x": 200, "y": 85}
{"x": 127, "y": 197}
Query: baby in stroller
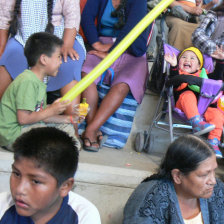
{"x": 190, "y": 62}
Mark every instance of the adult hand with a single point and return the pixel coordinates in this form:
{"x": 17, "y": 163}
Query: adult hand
{"x": 199, "y": 2}
{"x": 101, "y": 47}
{"x": 219, "y": 53}
{"x": 100, "y": 54}
{"x": 196, "y": 11}
{"x": 215, "y": 2}
{"x": 69, "y": 51}
{"x": 172, "y": 59}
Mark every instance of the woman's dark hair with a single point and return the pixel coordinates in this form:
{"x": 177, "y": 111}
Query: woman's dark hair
{"x": 51, "y": 149}
{"x": 14, "y": 24}
{"x": 119, "y": 12}
{"x": 186, "y": 153}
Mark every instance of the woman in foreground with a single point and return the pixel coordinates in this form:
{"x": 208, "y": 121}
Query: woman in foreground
{"x": 184, "y": 190}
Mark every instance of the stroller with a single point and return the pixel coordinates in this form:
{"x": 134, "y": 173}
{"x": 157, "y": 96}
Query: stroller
{"x": 166, "y": 106}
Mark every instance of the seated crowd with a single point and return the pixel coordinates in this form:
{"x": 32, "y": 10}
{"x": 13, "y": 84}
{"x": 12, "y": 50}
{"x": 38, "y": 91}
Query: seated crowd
{"x": 115, "y": 19}
{"x": 42, "y": 51}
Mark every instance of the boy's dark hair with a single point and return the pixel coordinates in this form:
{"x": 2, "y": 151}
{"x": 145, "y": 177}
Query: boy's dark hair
{"x": 52, "y": 149}
{"x": 14, "y": 25}
{"x": 40, "y": 43}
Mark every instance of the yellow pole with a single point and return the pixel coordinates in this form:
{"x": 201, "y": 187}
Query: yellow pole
{"x": 117, "y": 51}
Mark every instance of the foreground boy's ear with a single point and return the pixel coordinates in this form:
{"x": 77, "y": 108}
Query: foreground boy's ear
{"x": 66, "y": 187}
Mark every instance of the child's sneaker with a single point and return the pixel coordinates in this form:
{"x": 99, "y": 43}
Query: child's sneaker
{"x": 199, "y": 126}
{"x": 215, "y": 145}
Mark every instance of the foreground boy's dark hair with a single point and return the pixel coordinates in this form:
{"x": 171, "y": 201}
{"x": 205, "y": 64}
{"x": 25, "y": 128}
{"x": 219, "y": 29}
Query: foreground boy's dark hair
{"x": 40, "y": 43}
{"x": 52, "y": 149}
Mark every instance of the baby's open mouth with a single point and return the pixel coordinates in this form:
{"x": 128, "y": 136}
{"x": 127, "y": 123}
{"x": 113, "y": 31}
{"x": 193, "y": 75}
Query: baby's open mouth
{"x": 187, "y": 66}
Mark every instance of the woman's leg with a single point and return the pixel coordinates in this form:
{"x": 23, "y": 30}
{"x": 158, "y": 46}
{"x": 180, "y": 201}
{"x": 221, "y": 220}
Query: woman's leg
{"x": 5, "y": 80}
{"x": 108, "y": 106}
{"x": 70, "y": 108}
{"x": 92, "y": 98}
{"x": 64, "y": 90}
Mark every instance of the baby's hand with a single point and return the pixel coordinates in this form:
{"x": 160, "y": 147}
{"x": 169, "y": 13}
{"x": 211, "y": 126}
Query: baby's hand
{"x": 171, "y": 59}
{"x": 58, "y": 106}
{"x": 219, "y": 53}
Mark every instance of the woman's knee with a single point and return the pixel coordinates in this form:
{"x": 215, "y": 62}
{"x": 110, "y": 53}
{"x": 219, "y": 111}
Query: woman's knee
{"x": 122, "y": 88}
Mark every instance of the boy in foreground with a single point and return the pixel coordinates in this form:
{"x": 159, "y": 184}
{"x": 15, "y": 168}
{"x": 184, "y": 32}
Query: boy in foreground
{"x": 24, "y": 101}
{"x": 45, "y": 162}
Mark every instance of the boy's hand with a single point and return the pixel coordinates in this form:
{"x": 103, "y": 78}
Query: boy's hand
{"x": 58, "y": 106}
{"x": 171, "y": 59}
{"x": 219, "y": 53}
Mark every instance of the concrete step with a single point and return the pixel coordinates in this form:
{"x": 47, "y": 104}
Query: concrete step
{"x": 107, "y": 187}
{"x": 107, "y": 178}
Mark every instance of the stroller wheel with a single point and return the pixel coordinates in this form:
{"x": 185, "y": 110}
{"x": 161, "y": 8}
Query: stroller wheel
{"x": 149, "y": 146}
{"x": 139, "y": 141}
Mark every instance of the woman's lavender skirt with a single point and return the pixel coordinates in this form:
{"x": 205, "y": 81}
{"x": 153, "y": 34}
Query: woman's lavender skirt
{"x": 127, "y": 68}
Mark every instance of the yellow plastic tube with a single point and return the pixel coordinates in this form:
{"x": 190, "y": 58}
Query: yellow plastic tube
{"x": 117, "y": 51}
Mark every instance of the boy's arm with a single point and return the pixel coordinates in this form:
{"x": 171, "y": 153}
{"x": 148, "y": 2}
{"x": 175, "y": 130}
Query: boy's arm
{"x": 29, "y": 117}
{"x": 66, "y": 119}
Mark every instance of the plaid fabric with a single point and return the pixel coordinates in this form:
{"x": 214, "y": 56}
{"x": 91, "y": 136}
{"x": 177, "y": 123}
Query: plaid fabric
{"x": 201, "y": 38}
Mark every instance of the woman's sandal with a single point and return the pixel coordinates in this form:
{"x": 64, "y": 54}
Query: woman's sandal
{"x": 101, "y": 139}
{"x": 90, "y": 147}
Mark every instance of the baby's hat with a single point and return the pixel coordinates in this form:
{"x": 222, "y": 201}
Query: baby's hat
{"x": 197, "y": 52}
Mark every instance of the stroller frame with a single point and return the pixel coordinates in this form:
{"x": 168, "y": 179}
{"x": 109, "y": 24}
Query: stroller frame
{"x": 209, "y": 90}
